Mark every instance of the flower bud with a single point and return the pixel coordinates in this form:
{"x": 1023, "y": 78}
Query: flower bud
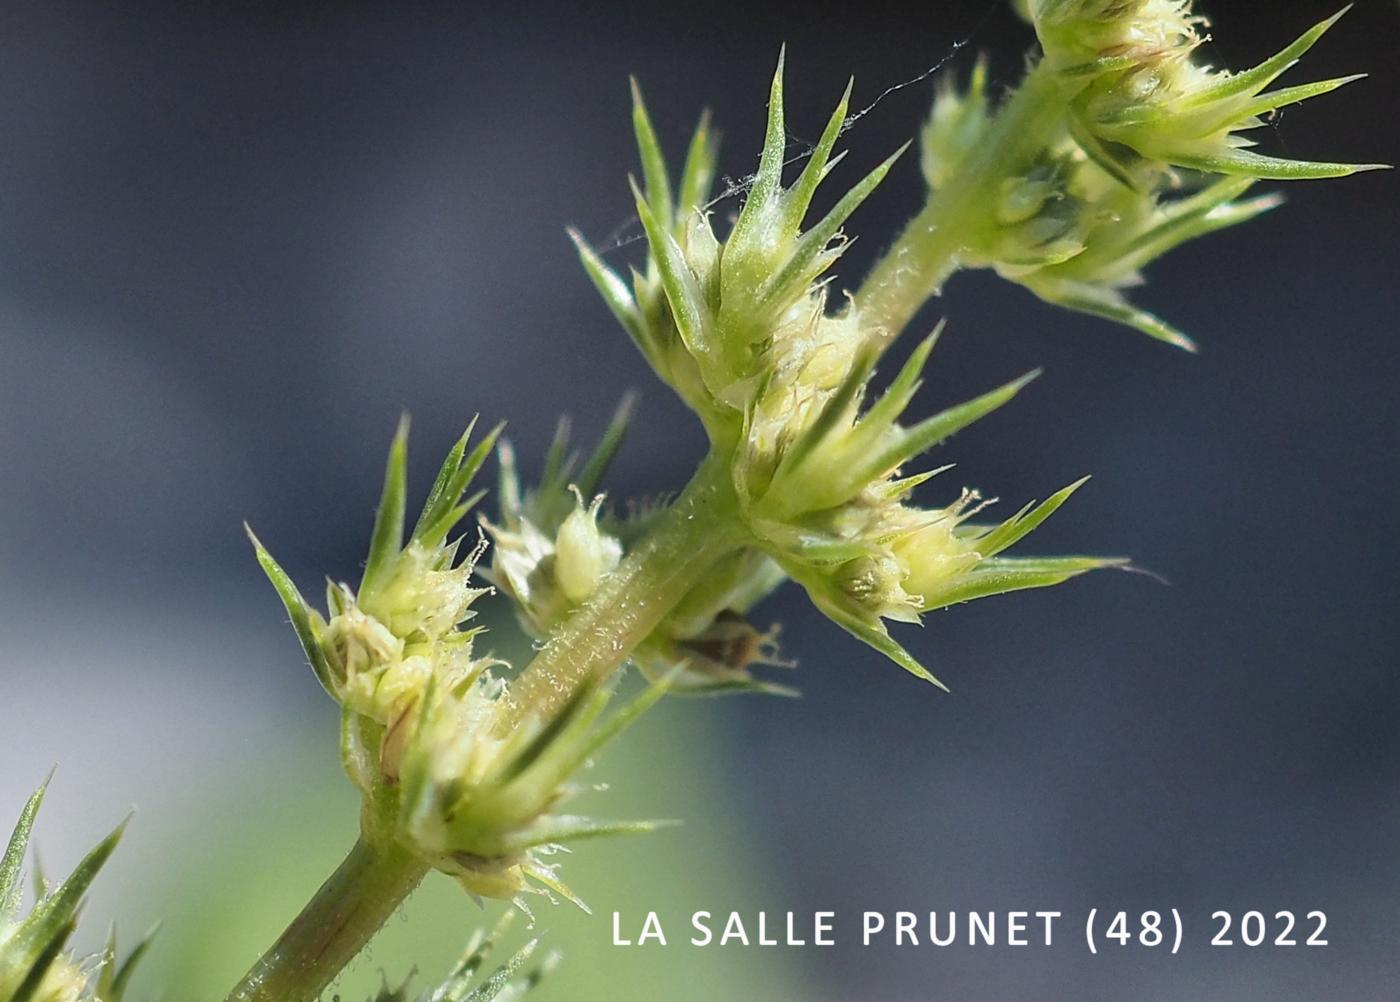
{"x": 582, "y": 554}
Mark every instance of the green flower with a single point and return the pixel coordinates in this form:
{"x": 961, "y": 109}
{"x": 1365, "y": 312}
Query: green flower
{"x": 448, "y": 765}
{"x": 1141, "y": 103}
{"x": 1147, "y": 157}
{"x": 716, "y": 319}
{"x": 780, "y": 383}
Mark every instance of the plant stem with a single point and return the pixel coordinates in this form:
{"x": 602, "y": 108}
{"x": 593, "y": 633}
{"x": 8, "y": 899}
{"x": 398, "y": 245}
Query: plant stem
{"x": 694, "y": 533}
{"x": 334, "y": 926}
{"x": 930, "y": 249}
{"x": 688, "y": 538}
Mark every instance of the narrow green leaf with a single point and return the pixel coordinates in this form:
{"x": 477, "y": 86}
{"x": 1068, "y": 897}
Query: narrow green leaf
{"x": 556, "y": 829}
{"x": 28, "y": 989}
{"x": 450, "y": 507}
{"x": 658, "y": 185}
{"x": 387, "y": 538}
{"x": 931, "y": 431}
{"x": 12, "y": 863}
{"x": 619, "y": 722}
{"x": 508, "y": 486}
{"x": 434, "y": 534}
{"x": 51, "y": 915}
{"x": 875, "y": 635}
{"x": 306, "y": 622}
{"x": 602, "y": 457}
{"x": 1250, "y": 164}
{"x": 769, "y": 179}
{"x": 1204, "y": 213}
{"x": 558, "y": 463}
{"x": 115, "y": 977}
{"x": 443, "y": 479}
{"x": 1001, "y": 575}
{"x": 796, "y": 271}
{"x": 584, "y": 705}
{"x": 1286, "y": 96}
{"x": 800, "y": 196}
{"x": 1251, "y": 81}
{"x": 699, "y": 171}
{"x": 1109, "y": 304}
{"x": 1024, "y": 522}
{"x": 886, "y": 411}
{"x": 682, "y": 290}
{"x": 500, "y": 979}
{"x": 615, "y": 294}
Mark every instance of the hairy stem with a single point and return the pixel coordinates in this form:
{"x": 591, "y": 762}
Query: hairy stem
{"x": 694, "y": 533}
{"x": 335, "y": 925}
{"x": 929, "y": 250}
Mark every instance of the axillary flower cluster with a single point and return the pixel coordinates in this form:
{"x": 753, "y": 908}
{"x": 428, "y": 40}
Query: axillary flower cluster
{"x": 1120, "y": 146}
{"x": 1117, "y": 146}
{"x": 425, "y": 734}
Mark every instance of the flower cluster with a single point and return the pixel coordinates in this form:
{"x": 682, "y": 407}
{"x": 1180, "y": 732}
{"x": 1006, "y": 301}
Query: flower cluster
{"x": 1148, "y": 155}
{"x": 35, "y": 965}
{"x": 742, "y": 330}
{"x": 555, "y": 542}
{"x": 1141, "y": 102}
{"x": 449, "y": 766}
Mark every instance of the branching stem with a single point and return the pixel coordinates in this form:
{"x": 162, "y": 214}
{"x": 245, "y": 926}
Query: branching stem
{"x": 931, "y": 246}
{"x": 688, "y": 538}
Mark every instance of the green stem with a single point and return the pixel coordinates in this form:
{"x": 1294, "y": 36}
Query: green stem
{"x": 687, "y": 540}
{"x": 334, "y": 926}
{"x": 931, "y": 247}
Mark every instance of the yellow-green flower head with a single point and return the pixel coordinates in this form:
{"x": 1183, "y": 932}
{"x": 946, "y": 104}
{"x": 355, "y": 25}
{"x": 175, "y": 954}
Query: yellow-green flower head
{"x": 957, "y": 124}
{"x": 715, "y": 319}
{"x": 481, "y": 786}
{"x": 1077, "y": 220}
{"x": 828, "y": 503}
{"x": 1081, "y": 37}
{"x": 448, "y": 765}
{"x": 1142, "y": 104}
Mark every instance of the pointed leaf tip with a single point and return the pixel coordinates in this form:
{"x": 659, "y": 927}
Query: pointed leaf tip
{"x": 386, "y": 539}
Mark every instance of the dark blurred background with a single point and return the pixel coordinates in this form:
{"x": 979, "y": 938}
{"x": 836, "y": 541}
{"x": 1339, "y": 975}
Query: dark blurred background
{"x": 239, "y": 239}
